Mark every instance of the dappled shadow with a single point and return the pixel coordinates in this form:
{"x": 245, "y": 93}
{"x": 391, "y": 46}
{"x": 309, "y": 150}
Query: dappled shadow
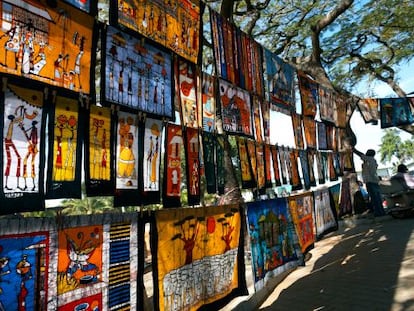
{"x": 361, "y": 272}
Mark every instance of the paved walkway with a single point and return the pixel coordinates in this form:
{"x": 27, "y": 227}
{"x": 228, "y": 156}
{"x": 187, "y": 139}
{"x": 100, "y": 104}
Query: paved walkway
{"x": 366, "y": 265}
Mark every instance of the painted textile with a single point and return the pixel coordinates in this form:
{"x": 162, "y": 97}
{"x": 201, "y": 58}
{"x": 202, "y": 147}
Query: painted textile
{"x": 192, "y": 148}
{"x": 236, "y": 109}
{"x": 188, "y": 93}
{"x": 327, "y": 104}
{"x": 324, "y": 213}
{"x": 301, "y": 208}
{"x": 297, "y": 130}
{"x": 137, "y": 74}
{"x": 257, "y": 119}
{"x": 209, "y": 147}
{"x": 322, "y": 135}
{"x": 99, "y": 152}
{"x": 369, "y": 109}
{"x": 304, "y": 164}
{"x": 172, "y": 171}
{"x": 273, "y": 241}
{"x": 396, "y": 111}
{"x": 309, "y": 127}
{"x": 51, "y": 45}
{"x": 66, "y": 129}
{"x": 23, "y": 149}
{"x": 295, "y": 179}
{"x": 197, "y": 256}
{"x": 280, "y": 82}
{"x": 208, "y": 103}
{"x": 238, "y": 56}
{"x": 345, "y": 203}
{"x": 24, "y": 260}
{"x": 174, "y": 24}
{"x": 308, "y": 89}
{"x": 275, "y": 163}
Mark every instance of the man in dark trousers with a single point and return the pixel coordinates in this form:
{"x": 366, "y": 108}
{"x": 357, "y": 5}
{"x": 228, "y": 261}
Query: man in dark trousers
{"x": 371, "y": 179}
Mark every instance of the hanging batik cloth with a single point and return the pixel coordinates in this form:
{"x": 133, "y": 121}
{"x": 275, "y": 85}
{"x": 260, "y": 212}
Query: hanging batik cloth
{"x": 341, "y": 109}
{"x": 331, "y": 138}
{"x": 65, "y": 149}
{"x": 172, "y": 166}
{"x": 99, "y": 152}
{"x": 338, "y": 163}
{"x": 321, "y": 167}
{"x": 311, "y": 163}
{"x": 251, "y": 151}
{"x": 345, "y": 203}
{"x": 261, "y": 181}
{"x": 396, "y": 111}
{"x": 238, "y": 56}
{"x": 335, "y": 192}
{"x": 248, "y": 180}
{"x": 280, "y": 82}
{"x": 322, "y": 136}
{"x": 187, "y": 80}
{"x": 327, "y": 104}
{"x": 348, "y": 161}
{"x": 325, "y": 221}
{"x": 257, "y": 119}
{"x": 295, "y": 179}
{"x": 331, "y": 168}
{"x": 236, "y": 109}
{"x": 268, "y": 165}
{"x": 369, "y": 109}
{"x": 265, "y": 108}
{"x": 275, "y": 162}
{"x": 309, "y": 127}
{"x": 284, "y": 174}
{"x": 25, "y": 268}
{"x": 297, "y": 130}
{"x": 271, "y": 231}
{"x": 208, "y": 103}
{"x": 137, "y": 74}
{"x": 220, "y": 163}
{"x": 209, "y": 146}
{"x": 193, "y": 165}
{"x": 22, "y": 153}
{"x": 127, "y": 160}
{"x": 174, "y": 24}
{"x": 195, "y": 244}
{"x": 301, "y": 208}
{"x": 49, "y": 43}
{"x": 151, "y": 161}
{"x": 304, "y": 164}
{"x": 308, "y": 89}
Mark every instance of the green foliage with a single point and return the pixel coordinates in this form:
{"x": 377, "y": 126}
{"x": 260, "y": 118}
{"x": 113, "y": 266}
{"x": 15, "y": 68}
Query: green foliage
{"x": 394, "y": 150}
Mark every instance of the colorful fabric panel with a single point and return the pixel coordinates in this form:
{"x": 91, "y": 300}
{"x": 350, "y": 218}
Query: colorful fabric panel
{"x": 368, "y": 108}
{"x": 137, "y": 75}
{"x": 236, "y": 109}
{"x": 396, "y": 111}
{"x": 304, "y": 164}
{"x": 65, "y": 156}
{"x": 309, "y": 127}
{"x": 208, "y": 103}
{"x": 22, "y": 153}
{"x": 257, "y": 119}
{"x": 174, "y": 24}
{"x": 273, "y": 240}
{"x": 295, "y": 179}
{"x": 247, "y": 177}
{"x": 151, "y": 161}
{"x": 308, "y": 89}
{"x": 99, "y": 153}
{"x": 276, "y": 166}
{"x": 301, "y": 208}
{"x": 280, "y": 82}
{"x": 192, "y": 146}
{"x": 197, "y": 252}
{"x": 187, "y": 80}
{"x": 51, "y": 44}
{"x": 172, "y": 171}
{"x": 209, "y": 147}
{"x": 327, "y": 104}
{"x": 297, "y": 130}
{"x": 324, "y": 213}
{"x": 345, "y": 203}
{"x": 322, "y": 136}
{"x": 127, "y": 159}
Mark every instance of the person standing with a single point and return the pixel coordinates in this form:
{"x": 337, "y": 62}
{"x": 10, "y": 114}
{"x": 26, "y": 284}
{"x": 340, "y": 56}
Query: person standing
{"x": 371, "y": 179}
